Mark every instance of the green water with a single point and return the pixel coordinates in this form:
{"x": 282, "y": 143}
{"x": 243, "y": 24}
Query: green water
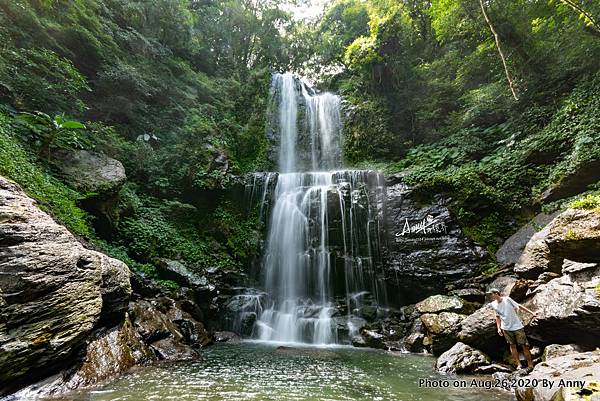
{"x": 251, "y": 371}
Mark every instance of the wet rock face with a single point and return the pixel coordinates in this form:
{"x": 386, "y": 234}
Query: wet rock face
{"x": 426, "y": 248}
{"x": 171, "y": 332}
{"x": 53, "y": 291}
{"x": 109, "y": 353}
{"x": 226, "y": 337}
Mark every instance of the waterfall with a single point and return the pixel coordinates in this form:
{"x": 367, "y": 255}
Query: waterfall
{"x": 321, "y": 262}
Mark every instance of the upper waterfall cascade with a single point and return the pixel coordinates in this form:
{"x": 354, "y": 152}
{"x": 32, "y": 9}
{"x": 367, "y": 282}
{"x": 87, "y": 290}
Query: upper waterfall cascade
{"x": 320, "y": 270}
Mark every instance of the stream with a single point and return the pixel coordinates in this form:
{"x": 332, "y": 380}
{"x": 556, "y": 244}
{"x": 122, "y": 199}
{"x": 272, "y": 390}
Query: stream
{"x": 260, "y": 371}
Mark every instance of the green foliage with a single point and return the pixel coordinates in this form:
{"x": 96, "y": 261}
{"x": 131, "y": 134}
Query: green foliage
{"x": 590, "y": 201}
{"x": 573, "y": 235}
{"x": 496, "y": 173}
{"x": 159, "y": 228}
{"x": 40, "y": 79}
{"x": 53, "y": 196}
{"x": 49, "y": 132}
{"x": 176, "y": 90}
{"x": 432, "y": 68}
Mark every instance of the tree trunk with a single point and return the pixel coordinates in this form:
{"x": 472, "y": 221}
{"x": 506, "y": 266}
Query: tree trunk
{"x": 497, "y": 39}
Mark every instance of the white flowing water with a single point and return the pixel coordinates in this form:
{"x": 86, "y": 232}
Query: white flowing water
{"x": 322, "y": 241}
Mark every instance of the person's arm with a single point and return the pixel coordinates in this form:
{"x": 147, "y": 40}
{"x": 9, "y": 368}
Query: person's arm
{"x": 532, "y": 313}
{"x": 519, "y": 306}
{"x": 498, "y": 325}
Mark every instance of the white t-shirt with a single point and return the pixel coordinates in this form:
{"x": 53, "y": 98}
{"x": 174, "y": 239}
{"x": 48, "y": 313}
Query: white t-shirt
{"x": 507, "y": 310}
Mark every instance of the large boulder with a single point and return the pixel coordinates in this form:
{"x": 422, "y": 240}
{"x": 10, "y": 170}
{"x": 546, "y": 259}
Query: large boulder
{"x": 425, "y": 248}
{"x": 573, "y": 183}
{"x": 414, "y": 341}
{"x": 511, "y": 250}
{"x": 90, "y": 171}
{"x": 504, "y": 284}
{"x": 53, "y": 291}
{"x": 568, "y": 308}
{"x": 444, "y": 303}
{"x": 557, "y": 350}
{"x": 474, "y": 295}
{"x": 568, "y": 374}
{"x": 536, "y": 257}
{"x": 168, "y": 329}
{"x": 99, "y": 178}
{"x": 574, "y": 234}
{"x": 461, "y": 358}
{"x": 108, "y": 354}
{"x": 479, "y": 331}
{"x": 178, "y": 272}
{"x": 441, "y": 330}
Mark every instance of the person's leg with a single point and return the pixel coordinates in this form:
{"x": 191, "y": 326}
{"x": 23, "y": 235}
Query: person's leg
{"x": 521, "y": 339}
{"x": 527, "y": 355}
{"x": 515, "y": 354}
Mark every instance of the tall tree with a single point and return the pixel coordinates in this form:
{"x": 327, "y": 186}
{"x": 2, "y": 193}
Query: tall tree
{"x": 499, "y": 47}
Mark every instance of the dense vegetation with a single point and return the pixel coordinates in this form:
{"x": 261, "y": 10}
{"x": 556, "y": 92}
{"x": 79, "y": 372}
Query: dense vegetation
{"x": 176, "y": 90}
{"x": 428, "y": 94}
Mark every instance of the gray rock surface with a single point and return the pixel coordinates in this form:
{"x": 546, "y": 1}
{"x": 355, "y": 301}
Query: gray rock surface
{"x": 108, "y": 354}
{"x": 99, "y": 178}
{"x": 568, "y": 309}
{"x": 479, "y": 331}
{"x": 461, "y": 358}
{"x": 504, "y": 284}
{"x": 53, "y": 291}
{"x": 441, "y": 330}
{"x": 574, "y": 183}
{"x": 426, "y": 248}
{"x": 414, "y": 341}
{"x": 536, "y": 257}
{"x": 90, "y": 171}
{"x": 474, "y": 295}
{"x": 226, "y": 337}
{"x": 581, "y": 367}
{"x": 444, "y": 303}
{"x": 573, "y": 235}
{"x": 557, "y": 350}
{"x": 511, "y": 250}
{"x": 178, "y": 272}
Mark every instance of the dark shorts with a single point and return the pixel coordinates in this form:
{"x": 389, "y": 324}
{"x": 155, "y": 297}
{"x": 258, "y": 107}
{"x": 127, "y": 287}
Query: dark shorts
{"x": 516, "y": 337}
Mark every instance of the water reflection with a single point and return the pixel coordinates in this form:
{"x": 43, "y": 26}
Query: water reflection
{"x": 265, "y": 372}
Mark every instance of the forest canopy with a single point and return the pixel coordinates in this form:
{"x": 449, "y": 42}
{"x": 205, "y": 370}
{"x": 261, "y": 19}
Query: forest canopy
{"x": 491, "y": 101}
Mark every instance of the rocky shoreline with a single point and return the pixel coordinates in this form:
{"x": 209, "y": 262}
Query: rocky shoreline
{"x": 554, "y": 271}
{"x": 74, "y": 318}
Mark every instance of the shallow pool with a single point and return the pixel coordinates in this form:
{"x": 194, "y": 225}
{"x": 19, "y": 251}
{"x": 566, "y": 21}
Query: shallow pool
{"x": 254, "y": 371}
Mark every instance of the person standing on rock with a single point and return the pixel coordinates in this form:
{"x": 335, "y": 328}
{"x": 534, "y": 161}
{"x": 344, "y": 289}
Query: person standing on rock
{"x": 510, "y": 326}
